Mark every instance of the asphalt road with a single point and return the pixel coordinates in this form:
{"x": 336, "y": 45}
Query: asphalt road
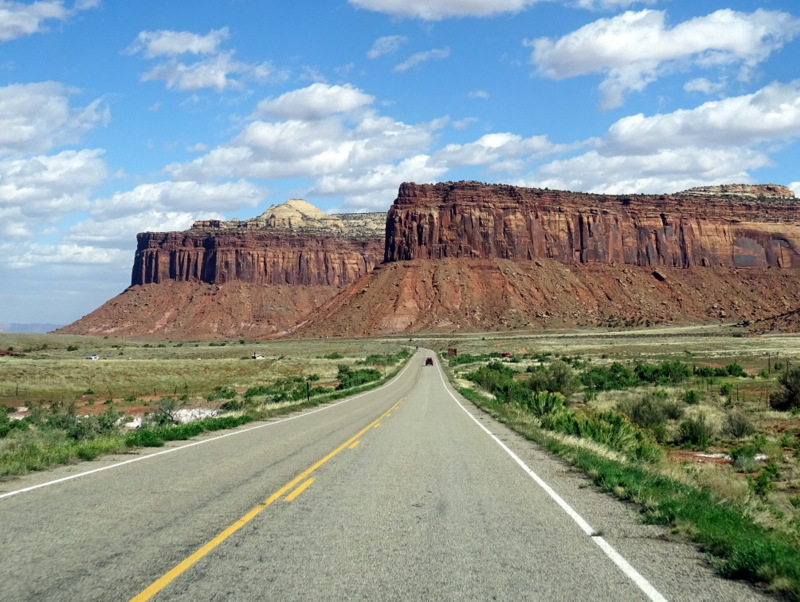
{"x": 399, "y": 494}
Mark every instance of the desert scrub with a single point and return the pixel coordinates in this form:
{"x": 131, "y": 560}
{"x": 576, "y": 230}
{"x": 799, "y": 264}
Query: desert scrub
{"x": 737, "y": 547}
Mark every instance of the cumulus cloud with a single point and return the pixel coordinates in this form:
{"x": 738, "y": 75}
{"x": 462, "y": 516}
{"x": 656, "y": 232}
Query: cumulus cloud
{"x": 635, "y": 48}
{"x": 703, "y": 85}
{"x": 662, "y": 170}
{"x": 422, "y": 57}
{"x": 386, "y": 45}
{"x": 172, "y": 43}
{"x": 120, "y": 233}
{"x": 48, "y": 187}
{"x": 795, "y": 187}
{"x": 165, "y": 198}
{"x": 215, "y": 68}
{"x": 717, "y": 142}
{"x": 373, "y": 188}
{"x": 314, "y": 102}
{"x": 772, "y": 113}
{"x": 498, "y": 151}
{"x": 324, "y": 130}
{"x": 440, "y": 9}
{"x": 18, "y": 19}
{"x": 36, "y": 117}
{"x": 609, "y": 4}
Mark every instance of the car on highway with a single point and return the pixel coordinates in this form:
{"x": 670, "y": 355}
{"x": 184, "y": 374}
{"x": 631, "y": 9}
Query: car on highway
{"x": 429, "y": 361}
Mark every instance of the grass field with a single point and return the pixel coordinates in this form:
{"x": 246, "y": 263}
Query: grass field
{"x": 52, "y": 369}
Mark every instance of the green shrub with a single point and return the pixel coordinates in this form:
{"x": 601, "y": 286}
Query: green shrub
{"x": 744, "y": 459}
{"x": 542, "y": 403}
{"x": 614, "y": 377}
{"x": 695, "y": 431}
{"x": 348, "y": 377}
{"x": 221, "y": 392}
{"x": 738, "y": 425}
{"x": 788, "y": 396}
{"x": 651, "y": 411}
{"x": 726, "y": 389}
{"x": 691, "y": 397}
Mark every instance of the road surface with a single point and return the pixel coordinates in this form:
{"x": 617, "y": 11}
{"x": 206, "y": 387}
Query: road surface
{"x": 403, "y": 493}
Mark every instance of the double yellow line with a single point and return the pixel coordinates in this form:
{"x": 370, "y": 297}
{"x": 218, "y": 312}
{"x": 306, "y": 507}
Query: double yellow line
{"x": 184, "y": 565}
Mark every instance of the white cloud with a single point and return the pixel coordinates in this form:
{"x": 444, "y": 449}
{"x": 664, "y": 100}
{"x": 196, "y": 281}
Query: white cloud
{"x": 478, "y": 94}
{"x": 795, "y": 187}
{"x": 353, "y": 138}
{"x": 609, "y": 4}
{"x": 422, "y": 57}
{"x": 314, "y": 102}
{"x": 499, "y": 151}
{"x": 660, "y": 171}
{"x": 120, "y": 233}
{"x": 216, "y": 69}
{"x": 704, "y": 86}
{"x": 172, "y": 43}
{"x": 440, "y": 9}
{"x": 48, "y": 187}
{"x": 27, "y": 256}
{"x": 772, "y": 113}
{"x": 635, "y": 48}
{"x": 35, "y": 117}
{"x": 164, "y": 198}
{"x": 374, "y": 189}
{"x": 18, "y": 19}
{"x": 386, "y": 45}
{"x": 717, "y": 142}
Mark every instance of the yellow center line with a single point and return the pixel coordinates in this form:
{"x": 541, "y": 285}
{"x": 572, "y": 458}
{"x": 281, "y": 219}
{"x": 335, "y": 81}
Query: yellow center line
{"x": 354, "y": 444}
{"x": 184, "y": 565}
{"x": 299, "y": 490}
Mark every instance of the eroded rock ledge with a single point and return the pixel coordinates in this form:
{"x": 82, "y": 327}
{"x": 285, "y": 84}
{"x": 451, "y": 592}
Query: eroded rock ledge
{"x": 726, "y": 226}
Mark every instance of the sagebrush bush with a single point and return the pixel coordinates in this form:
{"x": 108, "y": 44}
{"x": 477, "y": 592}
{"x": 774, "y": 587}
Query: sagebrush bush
{"x": 695, "y": 431}
{"x": 788, "y": 396}
{"x": 738, "y": 425}
{"x": 744, "y": 458}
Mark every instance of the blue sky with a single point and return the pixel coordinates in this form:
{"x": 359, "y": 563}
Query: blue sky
{"x": 123, "y": 117}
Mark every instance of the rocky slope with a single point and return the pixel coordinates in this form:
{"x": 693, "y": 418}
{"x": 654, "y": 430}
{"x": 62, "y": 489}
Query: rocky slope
{"x": 473, "y": 256}
{"x": 499, "y": 294}
{"x": 468, "y": 256}
{"x": 249, "y": 278}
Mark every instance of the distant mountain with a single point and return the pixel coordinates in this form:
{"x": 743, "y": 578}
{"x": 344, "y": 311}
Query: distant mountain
{"x": 35, "y": 328}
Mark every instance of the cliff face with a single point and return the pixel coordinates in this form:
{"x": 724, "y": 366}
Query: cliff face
{"x": 468, "y": 256}
{"x": 250, "y": 278}
{"x": 726, "y": 226}
{"x": 293, "y": 243}
{"x": 254, "y": 257}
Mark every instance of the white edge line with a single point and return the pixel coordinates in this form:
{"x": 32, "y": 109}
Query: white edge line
{"x": 192, "y": 444}
{"x": 642, "y": 583}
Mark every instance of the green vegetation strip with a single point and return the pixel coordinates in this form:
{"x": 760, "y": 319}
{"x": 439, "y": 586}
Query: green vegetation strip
{"x": 737, "y": 547}
{"x": 49, "y": 443}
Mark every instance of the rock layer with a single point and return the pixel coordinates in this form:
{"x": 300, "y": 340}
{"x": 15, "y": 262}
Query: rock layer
{"x": 731, "y": 226}
{"x": 257, "y": 257}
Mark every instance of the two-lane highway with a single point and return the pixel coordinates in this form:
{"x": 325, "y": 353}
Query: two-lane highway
{"x": 396, "y": 494}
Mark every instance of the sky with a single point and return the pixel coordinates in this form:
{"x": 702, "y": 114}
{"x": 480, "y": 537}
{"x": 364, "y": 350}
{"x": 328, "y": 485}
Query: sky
{"x": 124, "y": 117}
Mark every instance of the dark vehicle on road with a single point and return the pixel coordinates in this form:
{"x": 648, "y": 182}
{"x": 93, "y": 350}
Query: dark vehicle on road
{"x": 429, "y": 361}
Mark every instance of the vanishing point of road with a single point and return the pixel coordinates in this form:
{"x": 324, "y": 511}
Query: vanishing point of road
{"x": 404, "y": 493}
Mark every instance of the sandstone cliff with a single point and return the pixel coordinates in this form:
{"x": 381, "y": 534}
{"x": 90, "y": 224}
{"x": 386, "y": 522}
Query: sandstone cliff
{"x": 240, "y": 278}
{"x": 468, "y": 256}
{"x": 294, "y": 243}
{"x": 732, "y": 226}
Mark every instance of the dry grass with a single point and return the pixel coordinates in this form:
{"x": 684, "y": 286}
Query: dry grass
{"x": 51, "y": 368}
